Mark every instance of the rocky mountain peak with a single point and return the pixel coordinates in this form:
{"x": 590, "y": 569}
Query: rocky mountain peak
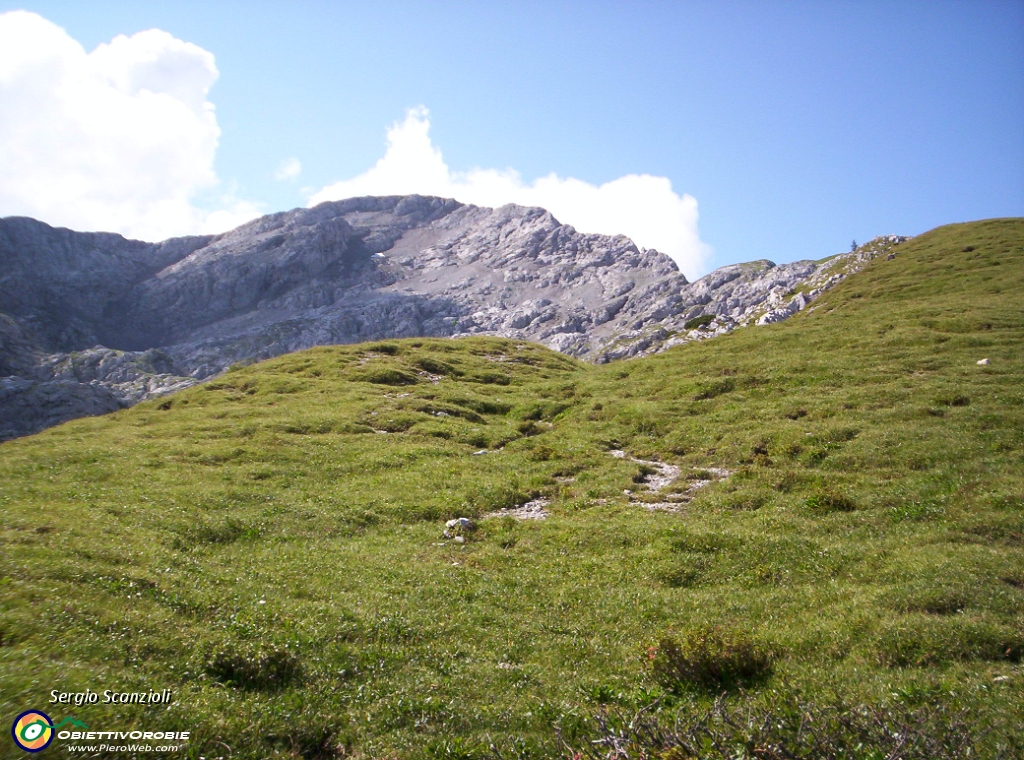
{"x": 130, "y": 319}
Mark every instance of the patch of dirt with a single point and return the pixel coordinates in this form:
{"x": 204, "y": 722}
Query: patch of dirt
{"x": 665, "y": 475}
{"x": 531, "y": 510}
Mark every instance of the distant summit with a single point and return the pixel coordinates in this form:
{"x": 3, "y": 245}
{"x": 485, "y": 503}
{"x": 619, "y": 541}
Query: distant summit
{"x": 92, "y": 322}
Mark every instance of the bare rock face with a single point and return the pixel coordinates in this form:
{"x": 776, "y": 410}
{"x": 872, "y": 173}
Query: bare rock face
{"x": 91, "y": 321}
{"x": 738, "y": 295}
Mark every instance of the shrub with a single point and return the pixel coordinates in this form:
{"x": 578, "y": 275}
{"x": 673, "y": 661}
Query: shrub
{"x": 931, "y": 597}
{"x": 680, "y": 573}
{"x": 457, "y": 748}
{"x": 384, "y": 376}
{"x": 310, "y": 742}
{"x": 246, "y": 666}
{"x": 713, "y": 388}
{"x": 489, "y": 378}
{"x": 787, "y": 728}
{"x": 829, "y": 500}
{"x": 395, "y": 421}
{"x": 697, "y": 322}
{"x": 745, "y": 500}
{"x": 529, "y": 428}
{"x": 709, "y": 658}
{"x": 437, "y": 366}
{"x": 927, "y": 641}
{"x": 496, "y": 496}
{"x": 704, "y": 543}
{"x": 224, "y": 532}
{"x": 481, "y": 406}
{"x": 541, "y": 454}
{"x": 542, "y": 410}
{"x": 788, "y": 481}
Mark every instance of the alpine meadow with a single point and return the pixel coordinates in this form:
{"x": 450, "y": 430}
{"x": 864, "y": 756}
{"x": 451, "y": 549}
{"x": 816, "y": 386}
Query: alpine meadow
{"x": 793, "y": 540}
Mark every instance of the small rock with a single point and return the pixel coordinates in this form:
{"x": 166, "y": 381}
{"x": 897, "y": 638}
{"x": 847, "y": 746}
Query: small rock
{"x": 458, "y": 527}
{"x": 1000, "y": 679}
{"x": 983, "y": 362}
{"x": 460, "y": 539}
{"x": 478, "y": 453}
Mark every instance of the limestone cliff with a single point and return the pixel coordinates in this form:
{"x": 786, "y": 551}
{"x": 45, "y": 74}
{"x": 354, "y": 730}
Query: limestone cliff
{"x": 90, "y": 322}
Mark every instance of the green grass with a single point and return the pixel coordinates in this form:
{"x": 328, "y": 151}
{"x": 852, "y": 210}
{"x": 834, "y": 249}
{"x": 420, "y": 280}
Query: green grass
{"x": 268, "y": 545}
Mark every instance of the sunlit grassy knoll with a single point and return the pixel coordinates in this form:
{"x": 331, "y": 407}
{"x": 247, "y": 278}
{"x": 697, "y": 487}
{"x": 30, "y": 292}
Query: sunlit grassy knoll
{"x": 269, "y": 544}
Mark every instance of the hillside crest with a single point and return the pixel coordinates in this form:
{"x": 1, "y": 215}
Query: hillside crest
{"x": 92, "y": 322}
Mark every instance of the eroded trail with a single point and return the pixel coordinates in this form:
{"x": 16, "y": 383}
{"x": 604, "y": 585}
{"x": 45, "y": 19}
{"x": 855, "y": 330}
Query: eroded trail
{"x": 663, "y": 476}
{"x": 660, "y": 476}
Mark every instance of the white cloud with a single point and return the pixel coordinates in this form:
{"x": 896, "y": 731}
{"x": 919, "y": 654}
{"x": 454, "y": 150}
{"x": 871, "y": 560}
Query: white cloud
{"x": 642, "y": 206}
{"x": 120, "y": 139}
{"x": 289, "y": 169}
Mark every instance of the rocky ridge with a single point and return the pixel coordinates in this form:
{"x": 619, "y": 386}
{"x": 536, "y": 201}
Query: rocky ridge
{"x": 91, "y": 322}
{"x": 740, "y": 295}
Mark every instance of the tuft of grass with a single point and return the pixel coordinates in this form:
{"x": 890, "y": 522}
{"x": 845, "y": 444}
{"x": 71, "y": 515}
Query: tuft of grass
{"x": 243, "y": 665}
{"x": 709, "y": 658}
{"x": 922, "y": 641}
{"x": 829, "y": 500}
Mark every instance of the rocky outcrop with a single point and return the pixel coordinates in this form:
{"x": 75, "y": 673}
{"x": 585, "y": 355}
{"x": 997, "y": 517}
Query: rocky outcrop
{"x": 27, "y": 406}
{"x": 92, "y": 321}
{"x": 758, "y": 293}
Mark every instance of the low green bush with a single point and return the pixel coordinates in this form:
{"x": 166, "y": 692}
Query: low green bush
{"x": 830, "y": 500}
{"x": 385, "y": 376}
{"x": 922, "y": 641}
{"x": 710, "y": 659}
{"x": 253, "y": 666}
{"x": 697, "y": 322}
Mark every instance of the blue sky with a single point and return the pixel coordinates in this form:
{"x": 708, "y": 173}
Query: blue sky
{"x": 789, "y": 127}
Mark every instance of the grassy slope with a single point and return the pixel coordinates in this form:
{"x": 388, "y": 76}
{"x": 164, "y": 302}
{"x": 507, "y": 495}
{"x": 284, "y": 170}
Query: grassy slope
{"x": 256, "y": 546}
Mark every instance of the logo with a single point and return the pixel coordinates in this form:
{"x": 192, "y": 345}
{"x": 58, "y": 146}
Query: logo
{"x": 33, "y": 730}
